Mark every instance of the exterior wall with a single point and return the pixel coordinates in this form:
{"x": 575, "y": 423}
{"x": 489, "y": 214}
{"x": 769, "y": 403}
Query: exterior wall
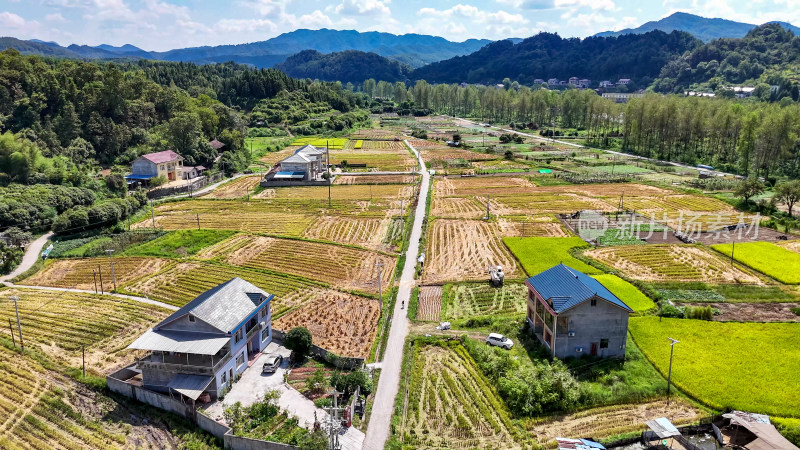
{"x": 184, "y": 324}
{"x": 296, "y": 167}
{"x": 591, "y": 324}
{"x": 144, "y": 167}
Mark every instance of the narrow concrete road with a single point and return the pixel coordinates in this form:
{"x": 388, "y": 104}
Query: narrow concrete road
{"x": 86, "y": 291}
{"x": 31, "y": 256}
{"x": 389, "y": 382}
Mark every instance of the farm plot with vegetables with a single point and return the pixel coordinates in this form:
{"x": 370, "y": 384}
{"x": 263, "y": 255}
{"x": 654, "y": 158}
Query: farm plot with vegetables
{"x": 481, "y": 299}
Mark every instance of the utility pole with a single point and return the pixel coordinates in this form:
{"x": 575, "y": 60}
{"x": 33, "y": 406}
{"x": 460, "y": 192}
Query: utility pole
{"x": 669, "y": 376}
{"x": 733, "y": 248}
{"x": 113, "y": 276}
{"x": 153, "y": 214}
{"x": 94, "y": 277}
{"x": 11, "y": 327}
{"x": 100, "y": 271}
{"x": 379, "y": 265}
{"x": 334, "y": 422}
{"x": 19, "y": 327}
{"x": 487, "y": 209}
{"x": 198, "y": 215}
{"x": 328, "y": 164}
{"x": 83, "y": 357}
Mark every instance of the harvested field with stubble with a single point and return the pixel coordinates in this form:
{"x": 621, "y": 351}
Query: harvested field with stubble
{"x": 77, "y": 273}
{"x": 235, "y": 189}
{"x": 670, "y": 262}
{"x": 343, "y": 267}
{"x": 365, "y": 232}
{"x": 463, "y": 249}
{"x": 457, "y": 208}
{"x": 451, "y": 404}
{"x": 430, "y": 303}
{"x": 537, "y": 227}
{"x": 347, "y": 327}
{"x": 105, "y": 325}
{"x": 374, "y": 179}
{"x": 482, "y": 299}
{"x": 613, "y": 420}
{"x": 184, "y": 281}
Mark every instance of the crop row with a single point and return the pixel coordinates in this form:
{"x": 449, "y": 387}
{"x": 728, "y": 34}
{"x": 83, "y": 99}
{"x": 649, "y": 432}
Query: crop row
{"x": 471, "y": 300}
{"x": 77, "y": 273}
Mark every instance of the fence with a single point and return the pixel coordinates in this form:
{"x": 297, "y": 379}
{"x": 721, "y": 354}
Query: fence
{"x": 117, "y": 383}
{"x": 341, "y": 362}
{"x": 187, "y": 188}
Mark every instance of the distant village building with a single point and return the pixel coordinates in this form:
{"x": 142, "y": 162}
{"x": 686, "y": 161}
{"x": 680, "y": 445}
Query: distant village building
{"x": 573, "y": 314}
{"x": 217, "y": 145}
{"x": 606, "y": 84}
{"x": 192, "y": 172}
{"x": 584, "y": 83}
{"x": 743, "y": 91}
{"x": 538, "y": 81}
{"x": 622, "y": 97}
{"x": 553, "y": 81}
{"x": 203, "y": 346}
{"x": 573, "y": 81}
{"x": 167, "y": 164}
{"x": 624, "y": 81}
{"x": 699, "y": 94}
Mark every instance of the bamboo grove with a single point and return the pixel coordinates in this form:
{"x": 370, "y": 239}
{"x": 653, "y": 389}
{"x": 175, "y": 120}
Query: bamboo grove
{"x": 742, "y": 136}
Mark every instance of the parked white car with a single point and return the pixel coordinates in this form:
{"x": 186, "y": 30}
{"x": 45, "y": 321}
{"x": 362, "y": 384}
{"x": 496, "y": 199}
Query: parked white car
{"x": 498, "y": 340}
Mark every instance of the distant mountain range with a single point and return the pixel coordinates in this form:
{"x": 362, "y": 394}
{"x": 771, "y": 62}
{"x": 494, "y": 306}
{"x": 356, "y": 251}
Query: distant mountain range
{"x": 415, "y": 50}
{"x": 703, "y": 28}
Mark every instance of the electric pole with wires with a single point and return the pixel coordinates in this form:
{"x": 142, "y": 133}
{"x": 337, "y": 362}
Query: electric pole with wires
{"x": 113, "y": 276}
{"x": 19, "y": 327}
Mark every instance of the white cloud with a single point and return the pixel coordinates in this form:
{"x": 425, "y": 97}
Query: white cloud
{"x": 267, "y": 8}
{"x": 11, "y": 20}
{"x": 245, "y": 25}
{"x": 364, "y": 7}
{"x": 56, "y": 18}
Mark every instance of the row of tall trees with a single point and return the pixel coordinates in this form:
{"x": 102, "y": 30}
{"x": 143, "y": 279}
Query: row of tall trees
{"x": 750, "y": 138}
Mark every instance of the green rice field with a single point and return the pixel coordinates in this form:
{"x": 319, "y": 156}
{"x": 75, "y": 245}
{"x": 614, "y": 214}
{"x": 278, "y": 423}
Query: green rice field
{"x": 767, "y": 258}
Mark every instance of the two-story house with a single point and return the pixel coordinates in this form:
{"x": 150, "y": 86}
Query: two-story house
{"x": 573, "y": 314}
{"x": 306, "y": 164}
{"x": 166, "y": 163}
{"x": 201, "y": 347}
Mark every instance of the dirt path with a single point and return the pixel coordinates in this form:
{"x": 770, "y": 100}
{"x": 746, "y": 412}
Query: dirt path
{"x": 389, "y": 382}
{"x": 31, "y": 255}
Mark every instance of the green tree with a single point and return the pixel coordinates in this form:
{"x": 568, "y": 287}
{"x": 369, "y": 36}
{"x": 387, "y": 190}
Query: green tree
{"x": 788, "y": 192}
{"x": 299, "y": 341}
{"x": 748, "y": 188}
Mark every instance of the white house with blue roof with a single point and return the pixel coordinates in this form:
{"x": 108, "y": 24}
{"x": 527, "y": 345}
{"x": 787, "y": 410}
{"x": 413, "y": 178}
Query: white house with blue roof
{"x": 203, "y": 346}
{"x": 573, "y": 314}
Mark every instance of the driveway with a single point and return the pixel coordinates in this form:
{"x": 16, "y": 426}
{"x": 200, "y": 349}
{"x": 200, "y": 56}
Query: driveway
{"x": 32, "y": 252}
{"x": 252, "y": 386}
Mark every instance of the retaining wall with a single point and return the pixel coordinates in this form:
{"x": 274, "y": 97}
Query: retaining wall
{"x": 342, "y": 362}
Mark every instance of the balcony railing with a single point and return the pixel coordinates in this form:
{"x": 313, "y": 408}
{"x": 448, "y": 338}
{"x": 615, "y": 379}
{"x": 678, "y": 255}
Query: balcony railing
{"x": 195, "y": 365}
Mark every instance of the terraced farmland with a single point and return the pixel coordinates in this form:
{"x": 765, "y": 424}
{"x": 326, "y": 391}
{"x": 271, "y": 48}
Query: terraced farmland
{"x": 342, "y": 267}
{"x": 104, "y": 321}
{"x": 452, "y": 405}
{"x": 184, "y": 281}
{"x": 77, "y": 273}
{"x": 37, "y": 413}
{"x": 365, "y": 232}
{"x": 235, "y": 189}
{"x": 664, "y": 262}
{"x": 471, "y": 300}
{"x": 381, "y": 160}
{"x": 347, "y": 327}
{"x": 463, "y": 249}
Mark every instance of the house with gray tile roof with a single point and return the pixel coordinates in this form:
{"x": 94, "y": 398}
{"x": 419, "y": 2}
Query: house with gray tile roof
{"x": 306, "y": 164}
{"x": 206, "y": 344}
{"x": 573, "y": 314}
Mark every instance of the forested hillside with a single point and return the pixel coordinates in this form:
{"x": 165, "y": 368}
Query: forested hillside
{"x": 767, "y": 55}
{"x": 349, "y": 66}
{"x": 546, "y": 55}
{"x": 63, "y": 120}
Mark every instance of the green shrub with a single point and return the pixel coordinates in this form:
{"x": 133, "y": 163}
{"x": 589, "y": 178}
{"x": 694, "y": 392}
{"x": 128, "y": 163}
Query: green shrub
{"x": 668, "y": 310}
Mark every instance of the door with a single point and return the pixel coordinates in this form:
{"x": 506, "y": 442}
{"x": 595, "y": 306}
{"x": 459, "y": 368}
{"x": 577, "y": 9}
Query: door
{"x": 594, "y": 349}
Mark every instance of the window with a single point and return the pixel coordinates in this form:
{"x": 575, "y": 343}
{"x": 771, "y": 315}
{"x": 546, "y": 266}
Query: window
{"x": 223, "y": 378}
{"x": 264, "y": 312}
{"x": 594, "y": 302}
{"x": 603, "y": 343}
{"x": 238, "y": 335}
{"x": 240, "y": 359}
{"x": 191, "y": 318}
{"x": 162, "y": 167}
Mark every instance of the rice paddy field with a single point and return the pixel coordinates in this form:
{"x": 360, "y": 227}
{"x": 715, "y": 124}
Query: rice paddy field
{"x": 466, "y": 300}
{"x": 745, "y": 366}
{"x": 626, "y": 292}
{"x": 778, "y": 262}
{"x": 537, "y": 254}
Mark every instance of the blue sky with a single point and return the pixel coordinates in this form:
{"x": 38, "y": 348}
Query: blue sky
{"x": 166, "y": 24}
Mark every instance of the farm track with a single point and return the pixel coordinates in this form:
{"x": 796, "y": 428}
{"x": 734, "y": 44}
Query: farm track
{"x": 389, "y": 381}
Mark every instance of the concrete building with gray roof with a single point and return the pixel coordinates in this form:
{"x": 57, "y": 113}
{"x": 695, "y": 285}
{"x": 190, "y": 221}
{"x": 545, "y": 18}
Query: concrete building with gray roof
{"x": 205, "y": 345}
{"x": 572, "y": 314}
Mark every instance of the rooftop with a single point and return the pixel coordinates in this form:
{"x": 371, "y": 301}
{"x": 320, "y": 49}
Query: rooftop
{"x": 162, "y": 157}
{"x": 566, "y": 288}
{"x": 216, "y": 145}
